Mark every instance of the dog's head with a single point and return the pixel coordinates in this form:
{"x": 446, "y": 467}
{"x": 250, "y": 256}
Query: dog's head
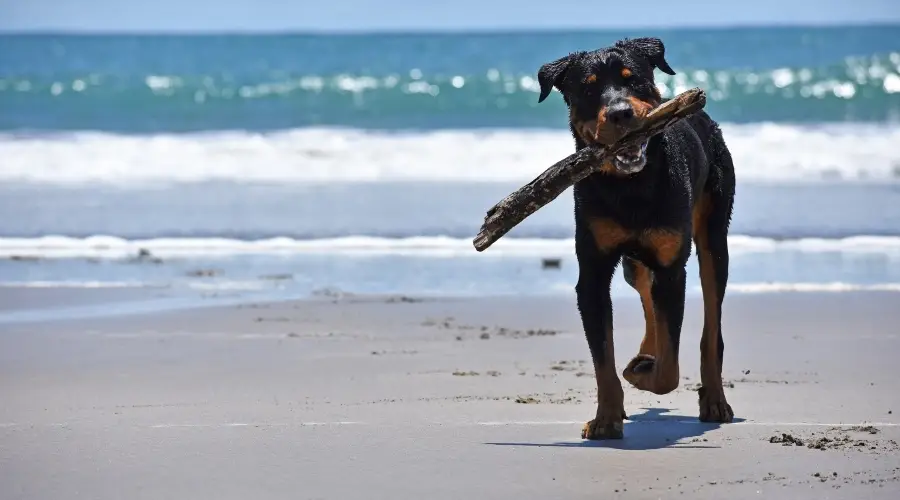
{"x": 608, "y": 92}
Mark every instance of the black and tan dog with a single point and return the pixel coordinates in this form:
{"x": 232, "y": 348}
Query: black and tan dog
{"x": 643, "y": 208}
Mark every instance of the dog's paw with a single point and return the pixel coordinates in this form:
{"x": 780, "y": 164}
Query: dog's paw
{"x": 607, "y": 423}
{"x": 643, "y": 372}
{"x": 714, "y": 407}
{"x": 641, "y": 364}
{"x": 599, "y": 430}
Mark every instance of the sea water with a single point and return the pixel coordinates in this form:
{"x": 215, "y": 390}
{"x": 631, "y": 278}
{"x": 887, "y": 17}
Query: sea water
{"x": 290, "y": 165}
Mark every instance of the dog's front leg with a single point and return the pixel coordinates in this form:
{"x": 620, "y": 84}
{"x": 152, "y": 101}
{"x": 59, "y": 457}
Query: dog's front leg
{"x": 595, "y": 274}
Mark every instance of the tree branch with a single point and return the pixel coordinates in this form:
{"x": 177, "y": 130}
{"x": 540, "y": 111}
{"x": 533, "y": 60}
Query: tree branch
{"x": 513, "y": 209}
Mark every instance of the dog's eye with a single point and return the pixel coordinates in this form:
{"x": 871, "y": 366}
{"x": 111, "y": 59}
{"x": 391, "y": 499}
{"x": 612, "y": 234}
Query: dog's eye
{"x": 626, "y": 73}
{"x": 591, "y": 79}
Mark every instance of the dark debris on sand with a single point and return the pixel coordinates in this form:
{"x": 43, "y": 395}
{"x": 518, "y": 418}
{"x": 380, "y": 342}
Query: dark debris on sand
{"x": 840, "y": 438}
{"x": 403, "y": 299}
{"x": 786, "y": 440}
{"x": 486, "y": 332}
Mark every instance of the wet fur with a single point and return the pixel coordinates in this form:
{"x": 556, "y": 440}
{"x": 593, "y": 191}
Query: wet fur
{"x": 646, "y": 221}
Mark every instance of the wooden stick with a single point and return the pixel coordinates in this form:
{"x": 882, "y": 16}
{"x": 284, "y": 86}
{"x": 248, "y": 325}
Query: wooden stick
{"x": 513, "y": 209}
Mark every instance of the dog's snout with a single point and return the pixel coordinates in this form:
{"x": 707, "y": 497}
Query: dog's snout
{"x": 620, "y": 114}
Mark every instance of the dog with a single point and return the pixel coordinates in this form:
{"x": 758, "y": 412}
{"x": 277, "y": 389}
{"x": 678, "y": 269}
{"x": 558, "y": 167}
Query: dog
{"x": 643, "y": 208}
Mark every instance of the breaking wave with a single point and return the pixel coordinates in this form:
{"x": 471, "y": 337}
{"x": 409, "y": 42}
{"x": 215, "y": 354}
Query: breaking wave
{"x": 766, "y": 152}
{"x": 111, "y": 247}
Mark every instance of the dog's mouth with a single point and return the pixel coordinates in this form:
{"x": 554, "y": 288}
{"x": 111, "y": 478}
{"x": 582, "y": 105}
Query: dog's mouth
{"x": 632, "y": 159}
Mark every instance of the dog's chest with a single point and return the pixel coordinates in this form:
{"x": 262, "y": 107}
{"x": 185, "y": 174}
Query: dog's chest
{"x": 655, "y": 246}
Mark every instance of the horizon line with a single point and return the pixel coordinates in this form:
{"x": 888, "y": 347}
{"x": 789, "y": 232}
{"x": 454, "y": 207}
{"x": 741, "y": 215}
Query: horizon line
{"x": 441, "y": 31}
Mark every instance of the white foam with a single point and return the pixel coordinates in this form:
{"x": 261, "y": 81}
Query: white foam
{"x": 111, "y": 247}
{"x": 854, "y": 244}
{"x": 228, "y": 285}
{"x": 77, "y": 284}
{"x": 832, "y": 287}
{"x": 212, "y": 286}
{"x": 760, "y": 151}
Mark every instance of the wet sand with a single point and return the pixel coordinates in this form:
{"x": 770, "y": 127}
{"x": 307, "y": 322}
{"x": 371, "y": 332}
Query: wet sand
{"x": 398, "y": 397}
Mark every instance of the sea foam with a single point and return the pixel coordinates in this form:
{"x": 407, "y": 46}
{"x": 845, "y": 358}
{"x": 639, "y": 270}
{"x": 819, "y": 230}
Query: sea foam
{"x": 111, "y": 247}
{"x": 762, "y": 152}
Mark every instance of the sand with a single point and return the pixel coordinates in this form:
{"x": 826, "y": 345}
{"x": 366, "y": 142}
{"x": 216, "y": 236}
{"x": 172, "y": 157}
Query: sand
{"x": 400, "y": 397}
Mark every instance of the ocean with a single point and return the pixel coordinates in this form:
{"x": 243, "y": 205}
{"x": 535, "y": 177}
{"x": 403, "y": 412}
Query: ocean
{"x": 294, "y": 165}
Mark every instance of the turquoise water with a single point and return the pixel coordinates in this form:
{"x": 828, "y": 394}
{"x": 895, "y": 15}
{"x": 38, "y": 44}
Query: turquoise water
{"x": 423, "y": 81}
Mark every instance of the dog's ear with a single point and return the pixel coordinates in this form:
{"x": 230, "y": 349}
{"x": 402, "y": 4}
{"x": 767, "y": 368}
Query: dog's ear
{"x": 651, "y": 48}
{"x": 551, "y": 75}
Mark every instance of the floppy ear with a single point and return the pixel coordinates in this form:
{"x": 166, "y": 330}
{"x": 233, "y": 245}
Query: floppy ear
{"x": 651, "y": 48}
{"x": 551, "y": 75}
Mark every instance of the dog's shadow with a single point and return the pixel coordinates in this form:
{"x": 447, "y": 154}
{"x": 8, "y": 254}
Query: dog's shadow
{"x": 654, "y": 429}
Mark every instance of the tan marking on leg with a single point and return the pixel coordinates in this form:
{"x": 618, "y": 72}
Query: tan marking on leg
{"x": 699, "y": 215}
{"x": 667, "y": 372}
{"x": 608, "y": 234}
{"x": 643, "y": 284}
{"x": 657, "y": 372}
{"x": 707, "y": 270}
{"x": 713, "y": 405}
{"x": 709, "y": 342}
{"x": 666, "y": 245}
{"x": 657, "y": 350}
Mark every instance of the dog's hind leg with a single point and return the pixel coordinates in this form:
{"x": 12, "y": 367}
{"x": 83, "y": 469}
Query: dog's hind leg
{"x": 711, "y": 219}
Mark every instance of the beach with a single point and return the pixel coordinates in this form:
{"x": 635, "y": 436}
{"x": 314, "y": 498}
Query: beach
{"x": 360, "y": 396}
{"x": 240, "y": 266}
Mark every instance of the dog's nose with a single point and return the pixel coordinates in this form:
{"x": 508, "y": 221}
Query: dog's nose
{"x": 620, "y": 114}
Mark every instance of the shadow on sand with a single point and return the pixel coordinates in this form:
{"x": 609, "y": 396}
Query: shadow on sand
{"x": 654, "y": 429}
